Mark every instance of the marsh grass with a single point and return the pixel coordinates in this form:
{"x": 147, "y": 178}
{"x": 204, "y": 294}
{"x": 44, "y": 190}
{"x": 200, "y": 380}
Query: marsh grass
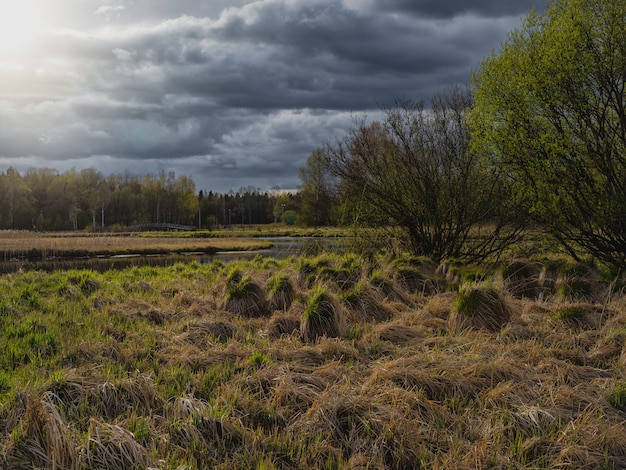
{"x": 522, "y": 278}
{"x": 320, "y": 316}
{"x": 146, "y": 368}
{"x": 576, "y": 289}
{"x": 245, "y": 297}
{"x": 479, "y": 307}
{"x": 572, "y": 314}
{"x": 364, "y": 305}
{"x": 283, "y": 324}
{"x": 41, "y": 246}
{"x": 282, "y": 292}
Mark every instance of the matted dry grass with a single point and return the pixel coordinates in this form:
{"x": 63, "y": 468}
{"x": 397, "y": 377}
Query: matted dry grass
{"x": 166, "y": 379}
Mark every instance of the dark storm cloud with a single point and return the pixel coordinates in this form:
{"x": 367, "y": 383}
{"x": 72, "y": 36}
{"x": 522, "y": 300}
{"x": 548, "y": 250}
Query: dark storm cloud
{"x": 273, "y": 55}
{"x": 449, "y": 9}
{"x": 234, "y": 96}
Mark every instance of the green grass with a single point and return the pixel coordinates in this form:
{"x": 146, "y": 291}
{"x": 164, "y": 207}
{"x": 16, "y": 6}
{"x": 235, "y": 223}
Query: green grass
{"x": 320, "y": 316}
{"x": 617, "y": 396}
{"x": 145, "y": 367}
{"x": 568, "y": 313}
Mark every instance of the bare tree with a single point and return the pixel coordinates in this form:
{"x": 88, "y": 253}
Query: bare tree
{"x": 414, "y": 171}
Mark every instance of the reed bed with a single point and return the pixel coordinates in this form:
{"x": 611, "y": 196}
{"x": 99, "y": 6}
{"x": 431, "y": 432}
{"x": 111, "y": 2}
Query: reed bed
{"x": 316, "y": 365}
{"x": 41, "y": 246}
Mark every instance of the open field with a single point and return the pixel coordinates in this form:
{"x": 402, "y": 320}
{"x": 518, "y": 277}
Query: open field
{"x": 324, "y": 362}
{"x": 34, "y": 245}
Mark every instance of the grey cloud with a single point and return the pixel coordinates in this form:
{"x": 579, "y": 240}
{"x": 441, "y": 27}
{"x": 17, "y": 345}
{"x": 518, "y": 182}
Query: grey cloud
{"x": 306, "y": 58}
{"x": 448, "y": 9}
{"x": 232, "y": 96}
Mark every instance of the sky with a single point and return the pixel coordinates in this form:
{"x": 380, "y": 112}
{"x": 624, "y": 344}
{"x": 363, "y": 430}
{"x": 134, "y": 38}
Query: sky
{"x": 234, "y": 93}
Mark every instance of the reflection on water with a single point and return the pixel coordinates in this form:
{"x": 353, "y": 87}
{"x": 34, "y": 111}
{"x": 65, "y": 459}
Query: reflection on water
{"x": 282, "y": 248}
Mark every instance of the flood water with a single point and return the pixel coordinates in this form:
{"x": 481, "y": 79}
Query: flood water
{"x": 282, "y": 247}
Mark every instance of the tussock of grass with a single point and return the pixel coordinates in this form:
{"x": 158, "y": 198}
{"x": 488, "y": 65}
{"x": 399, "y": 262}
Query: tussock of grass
{"x": 413, "y": 376}
{"x": 113, "y": 447}
{"x": 282, "y": 324}
{"x": 295, "y": 393}
{"x": 582, "y": 315}
{"x": 42, "y": 440}
{"x": 479, "y": 307}
{"x": 320, "y": 316}
{"x": 521, "y": 278}
{"x": 364, "y": 305}
{"x": 571, "y": 314}
{"x": 200, "y": 333}
{"x": 92, "y": 382}
{"x": 574, "y": 289}
{"x": 342, "y": 278}
{"x": 412, "y": 279}
{"x": 282, "y": 292}
{"x": 246, "y": 297}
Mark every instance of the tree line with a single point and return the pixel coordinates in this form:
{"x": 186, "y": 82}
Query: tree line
{"x": 46, "y": 200}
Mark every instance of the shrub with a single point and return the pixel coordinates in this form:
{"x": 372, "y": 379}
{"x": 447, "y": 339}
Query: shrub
{"x": 479, "y": 307}
{"x": 320, "y": 316}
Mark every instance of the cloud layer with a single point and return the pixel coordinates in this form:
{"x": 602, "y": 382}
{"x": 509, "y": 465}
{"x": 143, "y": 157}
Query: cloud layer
{"x": 234, "y": 93}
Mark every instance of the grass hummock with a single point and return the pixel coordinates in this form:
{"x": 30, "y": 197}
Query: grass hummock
{"x": 479, "y": 307}
{"x": 320, "y": 316}
{"x": 282, "y": 292}
{"x": 146, "y": 368}
{"x": 245, "y": 297}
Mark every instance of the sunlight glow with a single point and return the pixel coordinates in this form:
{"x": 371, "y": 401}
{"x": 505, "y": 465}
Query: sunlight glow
{"x": 20, "y": 21}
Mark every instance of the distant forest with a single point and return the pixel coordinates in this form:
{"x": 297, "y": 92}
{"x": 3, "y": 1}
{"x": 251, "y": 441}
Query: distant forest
{"x": 44, "y": 199}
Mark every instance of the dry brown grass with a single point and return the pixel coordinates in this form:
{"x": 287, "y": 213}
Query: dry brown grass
{"x": 282, "y": 324}
{"x": 398, "y": 333}
{"x": 42, "y": 246}
{"x": 522, "y": 278}
{"x": 201, "y": 333}
{"x": 44, "y": 439}
{"x": 479, "y": 307}
{"x": 112, "y": 447}
{"x": 246, "y": 297}
{"x": 206, "y": 388}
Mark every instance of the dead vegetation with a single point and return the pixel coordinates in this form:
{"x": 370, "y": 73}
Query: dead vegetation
{"x": 40, "y": 246}
{"x": 326, "y": 368}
